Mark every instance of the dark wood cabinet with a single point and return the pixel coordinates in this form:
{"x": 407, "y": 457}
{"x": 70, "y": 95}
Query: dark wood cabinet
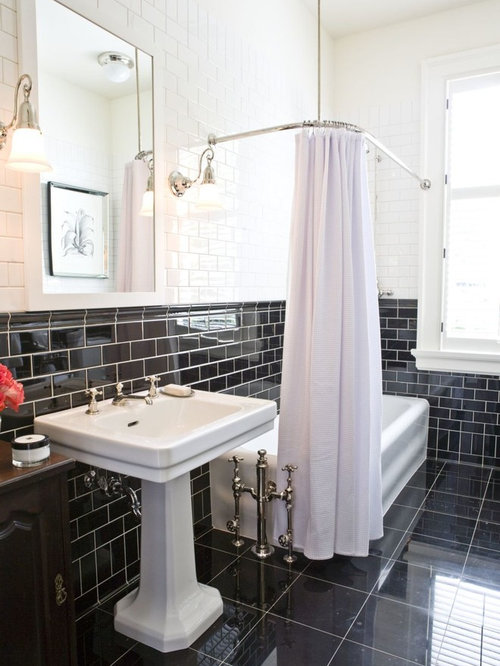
{"x": 36, "y": 598}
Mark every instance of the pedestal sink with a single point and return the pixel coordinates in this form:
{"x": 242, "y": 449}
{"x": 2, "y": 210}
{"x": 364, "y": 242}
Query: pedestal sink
{"x": 161, "y": 443}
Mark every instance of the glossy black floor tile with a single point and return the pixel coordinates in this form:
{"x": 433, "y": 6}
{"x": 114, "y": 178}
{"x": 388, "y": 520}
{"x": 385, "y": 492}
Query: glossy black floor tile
{"x": 223, "y": 541}
{"x": 453, "y": 504}
{"x": 425, "y": 476}
{"x": 353, "y": 654}
{"x": 98, "y": 642}
{"x": 473, "y": 628}
{"x": 444, "y": 527}
{"x": 210, "y": 562}
{"x": 225, "y": 635}
{"x": 409, "y": 583}
{"x": 465, "y": 480}
{"x": 411, "y": 496}
{"x": 490, "y": 511}
{"x": 493, "y": 489}
{"x": 428, "y": 593}
{"x": 278, "y": 641}
{"x": 276, "y": 559}
{"x": 320, "y": 605}
{"x": 400, "y": 517}
{"x": 483, "y": 565}
{"x": 393, "y": 627}
{"x": 254, "y": 582}
{"x": 467, "y": 645}
{"x": 141, "y": 655}
{"x": 388, "y": 544}
{"x": 428, "y": 551}
{"x": 487, "y": 535}
{"x": 360, "y": 573}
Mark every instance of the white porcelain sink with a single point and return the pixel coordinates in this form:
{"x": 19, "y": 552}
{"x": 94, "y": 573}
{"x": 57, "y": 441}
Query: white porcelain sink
{"x": 161, "y": 443}
{"x": 158, "y": 442}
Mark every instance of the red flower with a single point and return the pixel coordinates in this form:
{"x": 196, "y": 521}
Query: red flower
{"x": 11, "y": 392}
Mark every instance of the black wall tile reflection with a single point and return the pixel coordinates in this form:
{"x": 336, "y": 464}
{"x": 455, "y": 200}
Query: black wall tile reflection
{"x": 155, "y": 329}
{"x": 25, "y": 342}
{"x": 129, "y": 331}
{"x": 4, "y": 344}
{"x": 46, "y": 364}
{"x": 98, "y": 335}
{"x": 67, "y": 338}
{"x": 20, "y": 366}
{"x": 85, "y": 358}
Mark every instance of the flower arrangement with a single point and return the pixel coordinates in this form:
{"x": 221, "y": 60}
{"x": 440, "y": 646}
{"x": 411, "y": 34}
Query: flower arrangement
{"x": 11, "y": 392}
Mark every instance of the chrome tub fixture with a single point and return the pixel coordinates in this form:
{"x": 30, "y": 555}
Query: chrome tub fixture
{"x": 27, "y": 151}
{"x": 266, "y": 491}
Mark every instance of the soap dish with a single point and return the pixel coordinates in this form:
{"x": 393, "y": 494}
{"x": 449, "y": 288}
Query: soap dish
{"x": 177, "y": 391}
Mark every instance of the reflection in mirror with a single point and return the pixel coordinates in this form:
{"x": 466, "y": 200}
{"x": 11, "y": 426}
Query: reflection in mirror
{"x": 95, "y": 102}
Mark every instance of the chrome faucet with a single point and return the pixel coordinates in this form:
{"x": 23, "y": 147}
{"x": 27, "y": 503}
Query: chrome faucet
{"x": 121, "y": 398}
{"x": 153, "y": 386}
{"x": 92, "y": 394}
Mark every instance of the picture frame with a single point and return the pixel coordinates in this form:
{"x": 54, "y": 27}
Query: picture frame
{"x": 78, "y": 231}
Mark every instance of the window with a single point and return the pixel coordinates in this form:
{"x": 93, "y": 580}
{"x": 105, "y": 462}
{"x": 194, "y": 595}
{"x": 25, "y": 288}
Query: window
{"x": 459, "y": 319}
{"x": 471, "y": 312}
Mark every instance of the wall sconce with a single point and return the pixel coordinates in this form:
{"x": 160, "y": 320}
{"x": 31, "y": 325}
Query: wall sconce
{"x": 117, "y": 66}
{"x": 147, "y": 205}
{"x": 209, "y": 196}
{"x": 27, "y": 152}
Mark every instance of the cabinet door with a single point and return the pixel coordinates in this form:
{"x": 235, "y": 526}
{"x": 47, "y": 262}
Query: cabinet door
{"x": 35, "y": 601}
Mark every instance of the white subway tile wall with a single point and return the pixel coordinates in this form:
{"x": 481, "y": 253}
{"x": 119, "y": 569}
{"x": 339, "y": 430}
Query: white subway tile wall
{"x": 223, "y": 75}
{"x": 212, "y": 80}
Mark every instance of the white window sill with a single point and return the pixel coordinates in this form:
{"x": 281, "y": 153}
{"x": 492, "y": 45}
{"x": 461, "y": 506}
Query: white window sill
{"x": 453, "y": 361}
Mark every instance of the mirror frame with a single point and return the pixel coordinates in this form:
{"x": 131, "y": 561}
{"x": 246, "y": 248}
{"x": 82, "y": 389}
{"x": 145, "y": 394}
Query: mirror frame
{"x": 34, "y": 296}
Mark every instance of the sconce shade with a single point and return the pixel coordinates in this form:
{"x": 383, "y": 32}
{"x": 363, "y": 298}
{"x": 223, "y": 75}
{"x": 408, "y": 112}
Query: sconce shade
{"x": 147, "y": 206}
{"x": 209, "y": 197}
{"x": 117, "y": 66}
{"x": 27, "y": 151}
{"x": 208, "y": 194}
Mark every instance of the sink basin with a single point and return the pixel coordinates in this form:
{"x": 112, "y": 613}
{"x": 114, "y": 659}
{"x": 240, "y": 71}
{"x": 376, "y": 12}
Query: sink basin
{"x": 160, "y": 441}
{"x": 160, "y": 444}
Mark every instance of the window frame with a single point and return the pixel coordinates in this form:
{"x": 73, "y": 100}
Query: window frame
{"x": 436, "y": 72}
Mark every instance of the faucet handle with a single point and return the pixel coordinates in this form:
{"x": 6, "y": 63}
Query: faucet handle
{"x": 119, "y": 388}
{"x": 153, "y": 385}
{"x": 92, "y": 393}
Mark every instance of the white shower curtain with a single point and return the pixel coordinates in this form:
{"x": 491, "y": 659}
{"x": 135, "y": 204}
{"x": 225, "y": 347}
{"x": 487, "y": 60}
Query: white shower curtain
{"x": 331, "y": 394}
{"x": 135, "y": 260}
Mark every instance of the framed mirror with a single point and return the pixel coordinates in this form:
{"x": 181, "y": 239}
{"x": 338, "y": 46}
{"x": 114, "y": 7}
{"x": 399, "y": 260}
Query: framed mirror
{"x": 89, "y": 240}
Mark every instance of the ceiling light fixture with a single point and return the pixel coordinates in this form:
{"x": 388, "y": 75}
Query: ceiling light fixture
{"x": 27, "y": 152}
{"x": 117, "y": 66}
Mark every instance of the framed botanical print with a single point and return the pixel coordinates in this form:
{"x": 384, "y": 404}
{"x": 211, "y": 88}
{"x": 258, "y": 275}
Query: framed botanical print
{"x": 79, "y": 231}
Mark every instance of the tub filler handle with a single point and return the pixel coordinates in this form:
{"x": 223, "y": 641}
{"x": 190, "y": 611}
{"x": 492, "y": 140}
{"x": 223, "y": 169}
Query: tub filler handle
{"x": 264, "y": 493}
{"x": 286, "y": 540}
{"x": 233, "y": 525}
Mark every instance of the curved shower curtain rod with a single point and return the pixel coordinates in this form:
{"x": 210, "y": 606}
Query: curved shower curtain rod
{"x": 425, "y": 183}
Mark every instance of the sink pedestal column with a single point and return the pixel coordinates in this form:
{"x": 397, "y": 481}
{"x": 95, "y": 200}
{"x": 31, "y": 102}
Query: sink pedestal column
{"x": 170, "y": 609}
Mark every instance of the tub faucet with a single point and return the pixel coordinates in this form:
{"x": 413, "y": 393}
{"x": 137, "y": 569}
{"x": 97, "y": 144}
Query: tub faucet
{"x": 121, "y": 398}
